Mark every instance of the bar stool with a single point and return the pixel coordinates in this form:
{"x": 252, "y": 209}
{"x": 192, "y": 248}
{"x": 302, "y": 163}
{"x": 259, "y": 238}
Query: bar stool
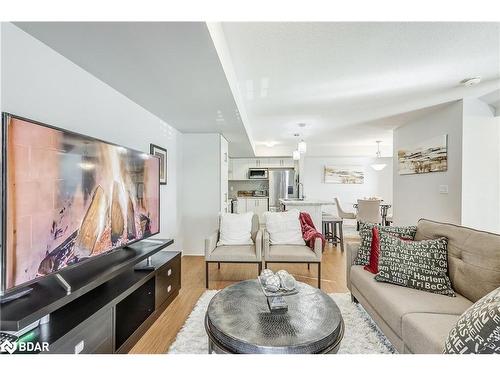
{"x": 332, "y": 229}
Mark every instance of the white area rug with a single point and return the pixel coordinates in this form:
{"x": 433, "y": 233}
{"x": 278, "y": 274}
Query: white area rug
{"x": 361, "y": 335}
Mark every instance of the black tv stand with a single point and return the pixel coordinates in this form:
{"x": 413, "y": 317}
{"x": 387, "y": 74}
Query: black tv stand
{"x": 63, "y": 283}
{"x": 13, "y": 296}
{"x": 145, "y": 266}
{"x": 110, "y": 306}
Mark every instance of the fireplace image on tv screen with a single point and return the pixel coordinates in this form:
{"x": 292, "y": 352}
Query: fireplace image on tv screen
{"x": 70, "y": 197}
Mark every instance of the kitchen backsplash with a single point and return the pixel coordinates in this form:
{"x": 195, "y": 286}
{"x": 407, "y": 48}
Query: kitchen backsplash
{"x": 234, "y": 186}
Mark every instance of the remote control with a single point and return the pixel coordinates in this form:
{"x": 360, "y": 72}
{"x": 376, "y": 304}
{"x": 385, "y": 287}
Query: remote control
{"x": 277, "y": 304}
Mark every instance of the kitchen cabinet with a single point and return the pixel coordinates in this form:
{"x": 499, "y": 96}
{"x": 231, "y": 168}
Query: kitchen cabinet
{"x": 287, "y": 162}
{"x": 256, "y": 163}
{"x": 279, "y": 163}
{"x": 242, "y": 205}
{"x": 224, "y": 176}
{"x": 238, "y": 167}
{"x": 256, "y": 205}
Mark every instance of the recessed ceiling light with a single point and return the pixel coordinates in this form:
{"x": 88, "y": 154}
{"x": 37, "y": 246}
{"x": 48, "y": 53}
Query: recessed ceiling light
{"x": 467, "y": 82}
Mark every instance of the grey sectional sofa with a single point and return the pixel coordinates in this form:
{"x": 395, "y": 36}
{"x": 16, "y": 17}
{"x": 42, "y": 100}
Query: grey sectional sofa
{"x": 417, "y": 321}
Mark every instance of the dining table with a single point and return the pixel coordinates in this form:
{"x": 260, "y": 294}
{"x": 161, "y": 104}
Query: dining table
{"x": 384, "y": 208}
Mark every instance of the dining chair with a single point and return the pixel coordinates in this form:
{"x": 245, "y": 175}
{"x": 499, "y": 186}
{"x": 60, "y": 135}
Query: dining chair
{"x": 341, "y": 213}
{"x": 369, "y": 211}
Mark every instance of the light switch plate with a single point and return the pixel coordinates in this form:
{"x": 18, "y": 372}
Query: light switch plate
{"x": 443, "y": 189}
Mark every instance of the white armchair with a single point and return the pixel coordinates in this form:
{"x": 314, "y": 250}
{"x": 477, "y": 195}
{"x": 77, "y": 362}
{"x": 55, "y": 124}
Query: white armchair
{"x": 293, "y": 253}
{"x": 234, "y": 253}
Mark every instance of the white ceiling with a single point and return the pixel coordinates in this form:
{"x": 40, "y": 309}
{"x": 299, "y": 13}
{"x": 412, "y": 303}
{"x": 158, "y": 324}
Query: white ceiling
{"x": 170, "y": 68}
{"x": 352, "y": 83}
{"x": 492, "y": 99}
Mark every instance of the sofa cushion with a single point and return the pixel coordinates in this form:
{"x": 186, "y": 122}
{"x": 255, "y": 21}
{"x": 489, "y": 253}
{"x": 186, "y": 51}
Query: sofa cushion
{"x": 392, "y": 302}
{"x": 291, "y": 253}
{"x": 478, "y": 329}
{"x": 473, "y": 257}
{"x": 234, "y": 253}
{"x": 365, "y": 233}
{"x": 425, "y": 333}
{"x": 415, "y": 264}
{"x": 284, "y": 228}
{"x": 235, "y": 229}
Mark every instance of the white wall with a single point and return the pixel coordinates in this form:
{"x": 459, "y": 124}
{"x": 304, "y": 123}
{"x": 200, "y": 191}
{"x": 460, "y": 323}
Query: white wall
{"x": 201, "y": 189}
{"x": 377, "y": 183}
{"x": 481, "y": 167}
{"x": 39, "y": 83}
{"x": 417, "y": 196}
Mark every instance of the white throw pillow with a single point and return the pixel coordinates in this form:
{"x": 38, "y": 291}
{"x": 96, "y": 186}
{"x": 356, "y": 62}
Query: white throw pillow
{"x": 236, "y": 229}
{"x": 284, "y": 228}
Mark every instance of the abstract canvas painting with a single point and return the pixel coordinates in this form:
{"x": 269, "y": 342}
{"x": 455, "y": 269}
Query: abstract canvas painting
{"x": 428, "y": 156}
{"x": 344, "y": 175}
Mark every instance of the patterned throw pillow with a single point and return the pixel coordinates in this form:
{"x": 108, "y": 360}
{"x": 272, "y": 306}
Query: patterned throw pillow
{"x": 365, "y": 232}
{"x": 478, "y": 328}
{"x": 415, "y": 264}
{"x": 372, "y": 265}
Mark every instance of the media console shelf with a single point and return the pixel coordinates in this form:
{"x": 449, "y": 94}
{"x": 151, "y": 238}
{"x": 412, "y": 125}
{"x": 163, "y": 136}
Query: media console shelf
{"x": 111, "y": 304}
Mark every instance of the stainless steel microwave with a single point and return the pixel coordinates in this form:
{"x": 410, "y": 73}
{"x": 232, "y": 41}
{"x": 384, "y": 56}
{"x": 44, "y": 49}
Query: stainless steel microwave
{"x": 257, "y": 173}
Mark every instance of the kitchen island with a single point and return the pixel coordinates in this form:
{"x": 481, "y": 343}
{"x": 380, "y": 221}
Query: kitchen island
{"x": 312, "y": 206}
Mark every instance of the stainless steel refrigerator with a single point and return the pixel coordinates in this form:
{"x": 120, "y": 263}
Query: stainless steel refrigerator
{"x": 282, "y": 184}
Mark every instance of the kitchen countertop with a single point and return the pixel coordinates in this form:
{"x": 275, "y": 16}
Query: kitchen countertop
{"x": 306, "y": 202}
{"x": 251, "y": 197}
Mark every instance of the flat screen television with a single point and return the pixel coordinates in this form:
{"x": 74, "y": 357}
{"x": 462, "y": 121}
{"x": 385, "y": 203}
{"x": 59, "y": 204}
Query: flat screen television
{"x": 67, "y": 198}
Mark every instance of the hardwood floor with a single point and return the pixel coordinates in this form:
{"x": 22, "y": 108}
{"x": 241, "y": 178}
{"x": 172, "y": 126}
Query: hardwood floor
{"x": 162, "y": 333}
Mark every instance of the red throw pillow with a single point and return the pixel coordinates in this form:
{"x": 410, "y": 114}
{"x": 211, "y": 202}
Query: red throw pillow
{"x": 372, "y": 265}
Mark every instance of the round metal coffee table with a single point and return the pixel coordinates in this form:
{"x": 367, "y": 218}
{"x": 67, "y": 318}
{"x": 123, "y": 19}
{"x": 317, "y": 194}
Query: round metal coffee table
{"x": 238, "y": 320}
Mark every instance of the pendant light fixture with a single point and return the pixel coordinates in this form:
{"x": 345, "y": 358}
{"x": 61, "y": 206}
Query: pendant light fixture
{"x": 302, "y": 146}
{"x": 378, "y": 166}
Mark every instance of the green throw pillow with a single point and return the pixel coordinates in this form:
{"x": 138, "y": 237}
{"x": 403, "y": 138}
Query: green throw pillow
{"x": 477, "y": 330}
{"x": 365, "y": 232}
{"x": 415, "y": 264}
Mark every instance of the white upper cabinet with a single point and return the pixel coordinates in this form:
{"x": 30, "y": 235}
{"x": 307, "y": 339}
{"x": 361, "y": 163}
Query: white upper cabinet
{"x": 273, "y": 163}
{"x": 287, "y": 162}
{"x": 224, "y": 176}
{"x": 238, "y": 169}
{"x": 277, "y": 162}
